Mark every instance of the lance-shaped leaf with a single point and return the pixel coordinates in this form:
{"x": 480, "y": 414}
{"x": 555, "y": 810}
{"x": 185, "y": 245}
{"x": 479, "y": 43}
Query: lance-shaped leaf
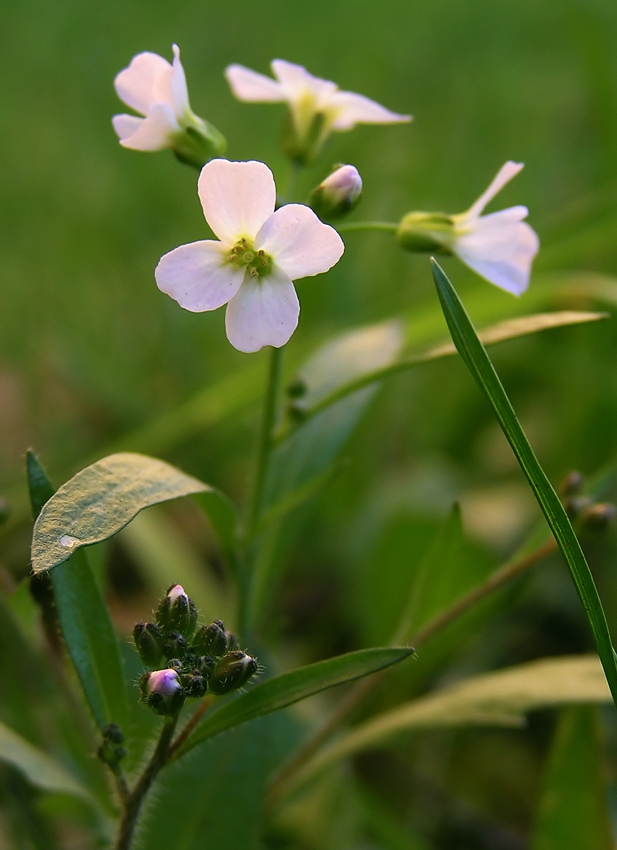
{"x": 39, "y": 768}
{"x": 477, "y": 361}
{"x": 85, "y": 622}
{"x": 102, "y": 498}
{"x": 291, "y": 687}
{"x": 493, "y": 699}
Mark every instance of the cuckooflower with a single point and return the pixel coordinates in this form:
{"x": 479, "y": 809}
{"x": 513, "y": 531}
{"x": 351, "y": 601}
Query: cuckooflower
{"x": 338, "y": 194}
{"x": 158, "y": 91}
{"x": 500, "y": 246}
{"x": 317, "y": 106}
{"x": 259, "y": 254}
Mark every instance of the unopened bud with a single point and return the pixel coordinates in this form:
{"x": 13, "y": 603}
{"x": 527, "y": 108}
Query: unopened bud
{"x": 111, "y": 750}
{"x": 232, "y": 640}
{"x": 206, "y": 665}
{"x": 232, "y": 671}
{"x": 162, "y": 691}
{"x": 576, "y": 505}
{"x": 571, "y": 484}
{"x": 425, "y": 232}
{"x": 149, "y": 642}
{"x": 177, "y": 612}
{"x": 194, "y": 684}
{"x": 598, "y": 517}
{"x": 175, "y": 646}
{"x": 211, "y": 639}
{"x": 338, "y": 194}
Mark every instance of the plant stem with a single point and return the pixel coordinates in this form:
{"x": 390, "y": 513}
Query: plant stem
{"x": 496, "y": 580}
{"x": 203, "y": 706}
{"x": 136, "y": 798}
{"x": 265, "y": 443}
{"x": 387, "y": 226}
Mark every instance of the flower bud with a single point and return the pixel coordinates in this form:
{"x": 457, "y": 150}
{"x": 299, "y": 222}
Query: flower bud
{"x": 301, "y": 141}
{"x": 211, "y": 639}
{"x": 571, "y": 485}
{"x": 598, "y": 517}
{"x": 206, "y": 665}
{"x": 426, "y": 232}
{"x": 111, "y": 750}
{"x": 162, "y": 691}
{"x": 175, "y": 646}
{"x": 149, "y": 642}
{"x": 177, "y": 612}
{"x": 194, "y": 684}
{"x": 232, "y": 640}
{"x": 232, "y": 671}
{"x": 338, "y": 194}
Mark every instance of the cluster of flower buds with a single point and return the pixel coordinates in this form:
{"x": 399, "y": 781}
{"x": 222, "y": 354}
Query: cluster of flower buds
{"x": 112, "y": 749}
{"x": 583, "y": 511}
{"x": 197, "y": 659}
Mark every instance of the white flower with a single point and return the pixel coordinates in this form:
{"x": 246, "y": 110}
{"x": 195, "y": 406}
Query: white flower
{"x": 500, "y": 246}
{"x": 259, "y": 254}
{"x": 156, "y": 90}
{"x": 308, "y": 97}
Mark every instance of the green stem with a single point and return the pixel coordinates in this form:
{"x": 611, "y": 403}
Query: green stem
{"x": 292, "y": 183}
{"x": 388, "y": 226}
{"x": 136, "y": 798}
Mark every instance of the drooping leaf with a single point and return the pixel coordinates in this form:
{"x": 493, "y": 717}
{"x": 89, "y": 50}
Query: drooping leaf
{"x": 102, "y": 498}
{"x": 85, "y": 622}
{"x": 493, "y": 699}
{"x": 477, "y": 361}
{"x": 288, "y": 688}
{"x": 573, "y": 803}
{"x": 39, "y": 768}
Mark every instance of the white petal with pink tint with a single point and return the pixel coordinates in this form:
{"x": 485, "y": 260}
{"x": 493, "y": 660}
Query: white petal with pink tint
{"x": 198, "y": 277}
{"x": 136, "y": 84}
{"x": 264, "y": 312}
{"x": 504, "y": 175}
{"x": 301, "y": 244}
{"x": 237, "y": 197}
{"x": 250, "y": 86}
{"x": 154, "y": 132}
{"x": 350, "y": 109}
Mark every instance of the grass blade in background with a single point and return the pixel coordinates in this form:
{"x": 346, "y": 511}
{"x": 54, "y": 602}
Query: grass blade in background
{"x": 479, "y": 364}
{"x": 292, "y": 687}
{"x": 86, "y": 625}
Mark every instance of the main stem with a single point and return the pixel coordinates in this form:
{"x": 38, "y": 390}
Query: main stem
{"x": 136, "y": 798}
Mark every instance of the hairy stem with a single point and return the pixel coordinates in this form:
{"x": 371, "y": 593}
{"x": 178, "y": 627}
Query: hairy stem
{"x": 203, "y": 706}
{"x": 137, "y": 795}
{"x": 356, "y": 694}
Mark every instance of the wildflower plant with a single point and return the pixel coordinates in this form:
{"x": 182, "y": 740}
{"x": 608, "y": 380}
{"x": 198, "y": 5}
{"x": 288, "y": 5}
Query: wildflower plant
{"x": 163, "y": 703}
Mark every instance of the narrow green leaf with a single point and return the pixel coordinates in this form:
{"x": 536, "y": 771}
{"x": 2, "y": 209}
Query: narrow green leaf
{"x": 493, "y": 699}
{"x": 573, "y": 810}
{"x": 85, "y": 622}
{"x": 501, "y": 332}
{"x": 291, "y": 687}
{"x": 477, "y": 361}
{"x": 39, "y": 768}
{"x": 102, "y": 498}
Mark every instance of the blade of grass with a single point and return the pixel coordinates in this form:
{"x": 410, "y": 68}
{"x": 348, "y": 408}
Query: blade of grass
{"x": 479, "y": 364}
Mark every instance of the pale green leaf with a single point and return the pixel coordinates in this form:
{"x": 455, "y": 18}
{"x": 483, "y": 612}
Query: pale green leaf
{"x": 102, "y": 498}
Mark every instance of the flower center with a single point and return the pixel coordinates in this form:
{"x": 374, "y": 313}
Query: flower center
{"x": 258, "y": 263}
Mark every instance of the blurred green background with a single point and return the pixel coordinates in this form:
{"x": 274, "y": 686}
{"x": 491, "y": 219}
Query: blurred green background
{"x": 92, "y": 354}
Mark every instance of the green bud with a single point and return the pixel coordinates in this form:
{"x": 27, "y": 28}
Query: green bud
{"x": 111, "y": 750}
{"x": 303, "y": 145}
{"x": 211, "y": 639}
{"x": 297, "y": 388}
{"x": 177, "y": 612}
{"x": 598, "y": 517}
{"x": 232, "y": 671}
{"x": 148, "y": 639}
{"x": 338, "y": 194}
{"x": 425, "y": 232}
{"x": 199, "y": 143}
{"x": 194, "y": 684}
{"x": 175, "y": 646}
{"x": 206, "y": 665}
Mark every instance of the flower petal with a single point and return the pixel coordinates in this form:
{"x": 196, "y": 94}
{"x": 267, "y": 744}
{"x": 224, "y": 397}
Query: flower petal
{"x": 511, "y": 273}
{"x": 154, "y": 132}
{"x": 135, "y": 84}
{"x": 198, "y": 277}
{"x": 300, "y": 243}
{"x": 350, "y": 109}
{"x": 504, "y": 175}
{"x": 296, "y": 83}
{"x": 126, "y": 125}
{"x": 170, "y": 86}
{"x": 264, "y": 312}
{"x": 237, "y": 197}
{"x": 490, "y": 237}
{"x": 250, "y": 86}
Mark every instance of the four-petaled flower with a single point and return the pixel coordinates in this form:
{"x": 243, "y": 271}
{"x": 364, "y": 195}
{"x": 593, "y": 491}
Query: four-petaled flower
{"x": 259, "y": 254}
{"x": 500, "y": 246}
{"x": 310, "y": 99}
